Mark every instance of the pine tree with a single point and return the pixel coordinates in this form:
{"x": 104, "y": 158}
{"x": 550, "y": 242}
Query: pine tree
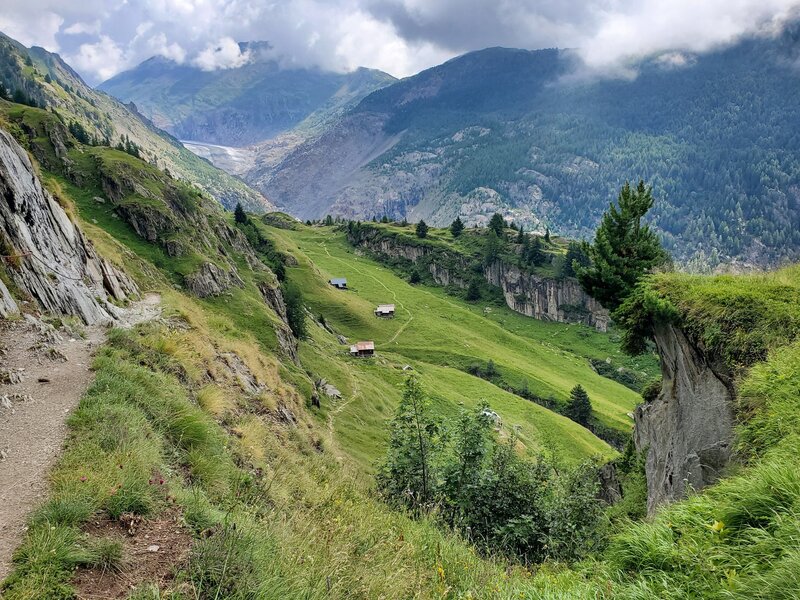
{"x": 295, "y": 309}
{"x": 384, "y": 219}
{"x": 239, "y": 215}
{"x": 492, "y": 249}
{"x": 533, "y": 252}
{"x": 624, "y": 248}
{"x": 474, "y": 290}
{"x": 457, "y": 227}
{"x": 414, "y": 278}
{"x": 521, "y": 235}
{"x": 547, "y": 235}
{"x": 407, "y": 475}
{"x": 497, "y": 224}
{"x": 422, "y": 229}
{"x": 579, "y": 407}
{"x": 328, "y": 220}
{"x": 575, "y": 258}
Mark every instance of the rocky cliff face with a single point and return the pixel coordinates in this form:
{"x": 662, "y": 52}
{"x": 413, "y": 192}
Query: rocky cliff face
{"x": 560, "y": 300}
{"x": 49, "y": 259}
{"x": 687, "y": 430}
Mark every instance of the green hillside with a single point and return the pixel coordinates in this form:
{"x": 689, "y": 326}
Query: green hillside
{"x": 202, "y": 423}
{"x": 442, "y": 337}
{"x": 42, "y": 78}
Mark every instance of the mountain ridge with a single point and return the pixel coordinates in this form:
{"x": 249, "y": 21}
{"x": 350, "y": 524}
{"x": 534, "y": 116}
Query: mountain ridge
{"x": 239, "y": 106}
{"x": 46, "y": 80}
{"x": 715, "y": 137}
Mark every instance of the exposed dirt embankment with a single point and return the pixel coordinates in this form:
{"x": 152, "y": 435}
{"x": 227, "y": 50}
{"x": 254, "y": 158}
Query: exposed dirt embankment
{"x": 688, "y": 429}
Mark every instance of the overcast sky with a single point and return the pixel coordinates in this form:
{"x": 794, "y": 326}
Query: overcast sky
{"x": 102, "y": 37}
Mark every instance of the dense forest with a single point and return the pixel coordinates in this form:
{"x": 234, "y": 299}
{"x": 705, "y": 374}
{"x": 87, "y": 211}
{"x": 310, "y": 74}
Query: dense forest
{"x": 517, "y": 131}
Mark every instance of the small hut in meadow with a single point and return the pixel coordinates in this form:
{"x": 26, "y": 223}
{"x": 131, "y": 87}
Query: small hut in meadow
{"x": 340, "y": 283}
{"x": 385, "y": 311}
{"x": 363, "y": 349}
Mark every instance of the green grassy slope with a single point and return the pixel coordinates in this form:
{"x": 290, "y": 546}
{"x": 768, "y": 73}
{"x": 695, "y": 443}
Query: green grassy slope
{"x": 741, "y": 537}
{"x": 53, "y": 84}
{"x": 441, "y": 337}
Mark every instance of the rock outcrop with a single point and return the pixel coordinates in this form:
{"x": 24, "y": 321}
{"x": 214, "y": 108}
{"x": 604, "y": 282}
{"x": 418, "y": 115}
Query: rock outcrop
{"x": 561, "y": 300}
{"x": 273, "y": 296}
{"x": 687, "y": 430}
{"x": 8, "y": 307}
{"x": 543, "y": 298}
{"x": 50, "y": 260}
{"x": 211, "y": 280}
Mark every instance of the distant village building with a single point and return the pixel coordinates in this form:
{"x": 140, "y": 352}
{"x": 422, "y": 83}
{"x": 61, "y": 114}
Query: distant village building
{"x": 363, "y": 349}
{"x": 385, "y": 310}
{"x": 340, "y": 283}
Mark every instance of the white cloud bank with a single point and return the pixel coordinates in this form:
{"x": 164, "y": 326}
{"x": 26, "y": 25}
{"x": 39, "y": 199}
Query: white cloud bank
{"x": 101, "y": 37}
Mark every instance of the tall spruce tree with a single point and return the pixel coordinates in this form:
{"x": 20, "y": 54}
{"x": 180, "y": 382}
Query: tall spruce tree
{"x": 497, "y": 223}
{"x": 456, "y": 227}
{"x": 422, "y": 229}
{"x": 239, "y": 215}
{"x": 579, "y": 407}
{"x": 624, "y": 248}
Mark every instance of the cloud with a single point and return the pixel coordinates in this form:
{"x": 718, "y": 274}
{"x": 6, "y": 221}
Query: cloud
{"x": 223, "y": 54}
{"x": 32, "y": 28}
{"x": 398, "y": 36}
{"x": 159, "y": 46}
{"x": 104, "y": 58}
{"x": 81, "y": 27}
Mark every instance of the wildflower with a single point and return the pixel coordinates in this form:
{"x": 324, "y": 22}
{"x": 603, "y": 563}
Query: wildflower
{"x": 440, "y": 570}
{"x": 83, "y": 477}
{"x": 717, "y": 526}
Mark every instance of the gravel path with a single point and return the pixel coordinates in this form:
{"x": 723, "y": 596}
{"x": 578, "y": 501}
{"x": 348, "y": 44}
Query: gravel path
{"x": 43, "y": 374}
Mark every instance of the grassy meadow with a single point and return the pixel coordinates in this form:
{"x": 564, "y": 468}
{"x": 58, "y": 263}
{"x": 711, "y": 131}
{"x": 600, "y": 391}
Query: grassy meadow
{"x": 440, "y": 337}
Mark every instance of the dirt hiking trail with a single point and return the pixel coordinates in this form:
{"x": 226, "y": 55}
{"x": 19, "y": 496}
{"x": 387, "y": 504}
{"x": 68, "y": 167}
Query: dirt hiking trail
{"x": 43, "y": 374}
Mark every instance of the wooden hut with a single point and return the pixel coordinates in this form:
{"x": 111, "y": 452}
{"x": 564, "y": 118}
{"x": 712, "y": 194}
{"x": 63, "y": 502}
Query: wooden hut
{"x": 385, "y": 311}
{"x": 363, "y": 349}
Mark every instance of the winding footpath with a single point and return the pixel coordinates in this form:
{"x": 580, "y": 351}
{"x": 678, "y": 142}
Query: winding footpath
{"x": 43, "y": 374}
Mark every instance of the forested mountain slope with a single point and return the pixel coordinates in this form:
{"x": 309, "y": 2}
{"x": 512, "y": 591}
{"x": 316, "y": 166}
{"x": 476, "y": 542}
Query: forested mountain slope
{"x": 526, "y": 133}
{"x": 35, "y": 76}
{"x": 239, "y": 106}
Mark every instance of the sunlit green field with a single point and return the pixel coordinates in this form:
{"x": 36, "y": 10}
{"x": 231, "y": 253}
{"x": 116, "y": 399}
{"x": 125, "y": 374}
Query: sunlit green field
{"x": 439, "y": 336}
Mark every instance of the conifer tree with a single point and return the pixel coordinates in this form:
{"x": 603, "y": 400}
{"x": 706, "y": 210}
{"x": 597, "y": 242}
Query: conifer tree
{"x": 521, "y": 235}
{"x": 474, "y": 290}
{"x": 624, "y": 248}
{"x": 422, "y": 229}
{"x": 457, "y": 227}
{"x": 497, "y": 223}
{"x": 579, "y": 407}
{"x": 239, "y": 215}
